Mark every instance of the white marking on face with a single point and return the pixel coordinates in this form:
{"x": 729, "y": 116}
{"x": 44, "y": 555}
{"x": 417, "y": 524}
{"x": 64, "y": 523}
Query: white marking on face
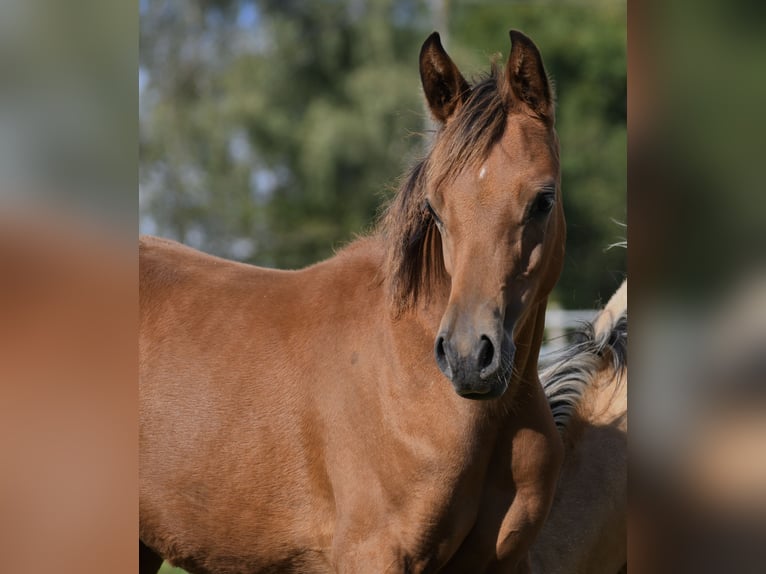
{"x": 483, "y": 172}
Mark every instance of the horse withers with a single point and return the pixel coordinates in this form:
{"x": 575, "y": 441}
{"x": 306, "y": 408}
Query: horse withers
{"x": 379, "y": 411}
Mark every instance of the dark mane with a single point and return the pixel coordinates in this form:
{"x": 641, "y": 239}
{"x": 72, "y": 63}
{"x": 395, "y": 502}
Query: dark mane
{"x": 414, "y": 256}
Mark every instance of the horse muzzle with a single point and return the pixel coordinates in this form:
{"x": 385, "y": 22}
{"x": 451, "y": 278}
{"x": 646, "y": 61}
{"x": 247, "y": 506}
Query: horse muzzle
{"x": 476, "y": 366}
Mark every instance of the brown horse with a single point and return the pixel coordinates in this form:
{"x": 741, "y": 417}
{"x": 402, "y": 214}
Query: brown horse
{"x": 304, "y": 421}
{"x": 586, "y": 530}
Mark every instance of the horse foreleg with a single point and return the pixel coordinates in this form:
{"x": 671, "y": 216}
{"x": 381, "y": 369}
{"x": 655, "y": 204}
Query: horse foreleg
{"x": 369, "y": 560}
{"x": 382, "y": 556}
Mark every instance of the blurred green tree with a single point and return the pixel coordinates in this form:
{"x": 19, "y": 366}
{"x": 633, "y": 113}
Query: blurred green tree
{"x": 272, "y": 131}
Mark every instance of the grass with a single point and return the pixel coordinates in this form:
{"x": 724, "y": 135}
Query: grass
{"x": 168, "y": 569}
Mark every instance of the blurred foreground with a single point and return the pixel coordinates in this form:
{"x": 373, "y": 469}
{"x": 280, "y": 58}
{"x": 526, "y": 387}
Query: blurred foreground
{"x": 698, "y": 302}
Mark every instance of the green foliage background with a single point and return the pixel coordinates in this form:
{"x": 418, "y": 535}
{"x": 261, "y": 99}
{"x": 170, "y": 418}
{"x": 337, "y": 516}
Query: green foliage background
{"x": 272, "y": 131}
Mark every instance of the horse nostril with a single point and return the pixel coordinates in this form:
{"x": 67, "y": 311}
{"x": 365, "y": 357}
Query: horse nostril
{"x": 441, "y": 356}
{"x": 486, "y": 353}
{"x": 440, "y": 348}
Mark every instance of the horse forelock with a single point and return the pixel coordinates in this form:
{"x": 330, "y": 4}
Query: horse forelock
{"x": 414, "y": 260}
{"x": 570, "y": 372}
{"x": 466, "y": 140}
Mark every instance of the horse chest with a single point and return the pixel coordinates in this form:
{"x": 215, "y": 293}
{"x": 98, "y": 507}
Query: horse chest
{"x": 415, "y": 508}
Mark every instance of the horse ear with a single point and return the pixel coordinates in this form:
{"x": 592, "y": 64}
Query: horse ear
{"x": 526, "y": 76}
{"x": 443, "y": 84}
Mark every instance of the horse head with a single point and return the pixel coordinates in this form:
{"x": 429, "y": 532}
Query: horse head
{"x": 493, "y": 193}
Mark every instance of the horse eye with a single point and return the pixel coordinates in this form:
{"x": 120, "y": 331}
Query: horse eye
{"x": 543, "y": 203}
{"x": 430, "y": 209}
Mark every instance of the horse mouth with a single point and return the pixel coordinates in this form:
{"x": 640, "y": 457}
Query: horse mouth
{"x": 483, "y": 392}
{"x": 480, "y": 387}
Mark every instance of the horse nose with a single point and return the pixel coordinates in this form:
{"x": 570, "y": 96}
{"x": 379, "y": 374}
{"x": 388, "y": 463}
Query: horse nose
{"x": 481, "y": 362}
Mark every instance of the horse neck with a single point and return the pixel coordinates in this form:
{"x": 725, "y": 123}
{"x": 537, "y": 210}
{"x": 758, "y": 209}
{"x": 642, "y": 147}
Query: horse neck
{"x": 605, "y": 401}
{"x": 607, "y": 396}
{"x": 528, "y": 340}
